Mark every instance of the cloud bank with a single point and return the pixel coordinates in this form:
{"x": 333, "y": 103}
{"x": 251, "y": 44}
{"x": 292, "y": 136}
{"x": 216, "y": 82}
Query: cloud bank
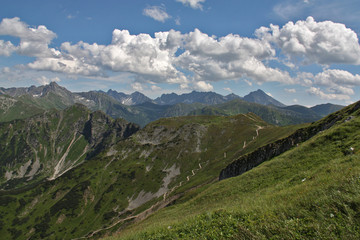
{"x": 315, "y": 42}
{"x": 33, "y": 41}
{"x": 195, "y": 59}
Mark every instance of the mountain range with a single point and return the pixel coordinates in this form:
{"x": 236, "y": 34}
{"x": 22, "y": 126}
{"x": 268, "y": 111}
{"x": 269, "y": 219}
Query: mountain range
{"x": 142, "y": 110}
{"x": 222, "y": 171}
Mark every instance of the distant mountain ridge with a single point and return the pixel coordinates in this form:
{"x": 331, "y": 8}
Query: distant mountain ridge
{"x": 129, "y": 99}
{"x": 209, "y": 98}
{"x": 18, "y": 103}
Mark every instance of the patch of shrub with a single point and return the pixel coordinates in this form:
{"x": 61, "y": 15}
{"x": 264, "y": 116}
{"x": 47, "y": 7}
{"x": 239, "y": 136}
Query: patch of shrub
{"x": 6, "y": 200}
{"x": 14, "y": 233}
{"x": 71, "y": 200}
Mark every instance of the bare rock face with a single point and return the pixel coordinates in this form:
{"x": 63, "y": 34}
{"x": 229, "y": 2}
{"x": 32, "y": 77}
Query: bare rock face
{"x": 101, "y": 131}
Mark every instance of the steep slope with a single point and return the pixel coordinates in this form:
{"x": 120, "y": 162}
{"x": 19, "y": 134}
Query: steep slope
{"x": 49, "y": 144}
{"x": 133, "y": 178}
{"x": 107, "y": 104}
{"x": 261, "y": 97}
{"x": 245, "y": 163}
{"x": 311, "y": 191}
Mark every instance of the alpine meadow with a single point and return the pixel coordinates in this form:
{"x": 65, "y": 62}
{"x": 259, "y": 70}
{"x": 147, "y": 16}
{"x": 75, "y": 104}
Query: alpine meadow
{"x": 180, "y": 119}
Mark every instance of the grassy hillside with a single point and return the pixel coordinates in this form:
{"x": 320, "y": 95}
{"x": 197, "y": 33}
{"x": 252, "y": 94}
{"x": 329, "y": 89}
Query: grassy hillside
{"x": 133, "y": 178}
{"x": 270, "y": 114}
{"x": 11, "y": 108}
{"x": 310, "y": 192}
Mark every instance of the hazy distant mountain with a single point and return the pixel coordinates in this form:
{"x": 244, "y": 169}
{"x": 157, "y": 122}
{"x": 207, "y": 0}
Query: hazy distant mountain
{"x": 46, "y": 96}
{"x": 209, "y": 98}
{"x": 304, "y": 112}
{"x": 34, "y": 91}
{"x": 19, "y": 103}
{"x": 261, "y": 97}
{"x": 271, "y": 114}
{"x": 325, "y": 109}
{"x": 129, "y": 99}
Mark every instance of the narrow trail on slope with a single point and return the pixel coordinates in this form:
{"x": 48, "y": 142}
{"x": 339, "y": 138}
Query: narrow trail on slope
{"x": 163, "y": 203}
{"x": 254, "y": 137}
{"x": 180, "y": 184}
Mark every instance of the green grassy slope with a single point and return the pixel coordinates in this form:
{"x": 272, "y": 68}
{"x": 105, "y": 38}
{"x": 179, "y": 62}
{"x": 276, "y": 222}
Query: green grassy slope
{"x": 309, "y": 192}
{"x": 11, "y": 108}
{"x": 270, "y": 114}
{"x": 132, "y": 178}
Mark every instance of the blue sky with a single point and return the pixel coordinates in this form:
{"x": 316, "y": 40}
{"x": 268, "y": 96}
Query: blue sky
{"x": 299, "y": 51}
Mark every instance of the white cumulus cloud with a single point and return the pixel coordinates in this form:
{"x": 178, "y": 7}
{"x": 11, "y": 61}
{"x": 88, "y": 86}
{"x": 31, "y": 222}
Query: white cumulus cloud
{"x": 45, "y": 80}
{"x": 336, "y": 82}
{"x": 229, "y": 57}
{"x": 151, "y": 58}
{"x": 203, "y": 86}
{"x": 290, "y": 90}
{"x": 195, "y": 4}
{"x": 155, "y": 88}
{"x": 227, "y": 89}
{"x": 157, "y": 13}
{"x": 6, "y": 48}
{"x": 315, "y": 42}
{"x": 327, "y": 96}
{"x": 34, "y": 42}
{"x": 331, "y": 77}
{"x": 137, "y": 86}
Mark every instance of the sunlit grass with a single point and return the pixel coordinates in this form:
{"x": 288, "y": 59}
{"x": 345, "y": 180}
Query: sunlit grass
{"x": 312, "y": 191}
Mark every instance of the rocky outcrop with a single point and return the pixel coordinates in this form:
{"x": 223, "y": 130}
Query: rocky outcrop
{"x": 49, "y": 144}
{"x": 267, "y": 152}
{"x": 101, "y": 131}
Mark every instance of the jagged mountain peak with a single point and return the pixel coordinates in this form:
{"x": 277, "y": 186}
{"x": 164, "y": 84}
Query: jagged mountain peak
{"x": 259, "y": 96}
{"x": 209, "y": 98}
{"x": 128, "y": 99}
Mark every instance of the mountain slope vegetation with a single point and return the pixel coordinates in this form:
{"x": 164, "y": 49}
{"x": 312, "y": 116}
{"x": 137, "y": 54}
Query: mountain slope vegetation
{"x": 271, "y": 114}
{"x": 309, "y": 192}
{"x": 51, "y": 143}
{"x": 128, "y": 180}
